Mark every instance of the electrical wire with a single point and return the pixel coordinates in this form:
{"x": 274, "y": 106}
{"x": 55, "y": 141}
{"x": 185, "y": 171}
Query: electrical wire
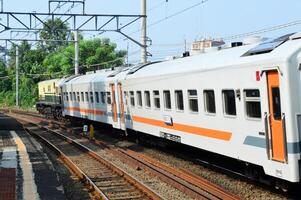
{"x": 263, "y": 30}
{"x": 171, "y": 16}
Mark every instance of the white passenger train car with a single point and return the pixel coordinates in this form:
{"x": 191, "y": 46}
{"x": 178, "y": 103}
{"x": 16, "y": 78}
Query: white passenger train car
{"x": 95, "y": 97}
{"x": 241, "y": 102}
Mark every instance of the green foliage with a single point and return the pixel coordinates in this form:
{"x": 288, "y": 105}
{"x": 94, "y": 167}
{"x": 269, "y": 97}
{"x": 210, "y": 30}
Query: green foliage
{"x": 52, "y": 60}
{"x": 94, "y": 54}
{"x": 54, "y": 30}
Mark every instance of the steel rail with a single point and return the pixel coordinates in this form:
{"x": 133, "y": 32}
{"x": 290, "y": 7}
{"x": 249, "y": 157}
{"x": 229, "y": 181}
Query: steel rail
{"x": 191, "y": 184}
{"x": 131, "y": 180}
{"x": 78, "y": 172}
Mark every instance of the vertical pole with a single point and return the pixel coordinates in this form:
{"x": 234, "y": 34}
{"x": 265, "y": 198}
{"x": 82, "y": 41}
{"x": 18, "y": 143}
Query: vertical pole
{"x": 127, "y": 56}
{"x": 76, "y": 57}
{"x": 143, "y": 33}
{"x": 17, "y": 76}
{"x": 6, "y": 52}
{"x": 2, "y": 6}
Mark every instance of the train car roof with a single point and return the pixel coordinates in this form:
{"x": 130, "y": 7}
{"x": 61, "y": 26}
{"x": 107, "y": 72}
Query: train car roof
{"x": 49, "y": 81}
{"x": 100, "y": 76}
{"x": 237, "y": 56}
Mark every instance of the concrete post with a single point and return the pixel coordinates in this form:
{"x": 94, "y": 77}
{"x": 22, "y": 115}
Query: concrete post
{"x": 17, "y": 76}
{"x": 76, "y": 56}
{"x": 143, "y": 33}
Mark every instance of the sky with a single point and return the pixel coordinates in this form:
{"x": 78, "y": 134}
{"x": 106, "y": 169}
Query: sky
{"x": 212, "y": 19}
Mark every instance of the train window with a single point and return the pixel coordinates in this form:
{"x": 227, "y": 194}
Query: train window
{"x": 147, "y": 99}
{"x": 87, "y": 96}
{"x": 70, "y": 94}
{"x": 49, "y": 88}
{"x": 96, "y": 97}
{"x": 103, "y": 97}
{"x": 82, "y": 96}
{"x": 179, "y": 100}
{"x": 193, "y": 100}
{"x": 156, "y": 94}
{"x": 132, "y": 98}
{"x": 125, "y": 97}
{"x": 91, "y": 97}
{"x": 74, "y": 97}
{"x": 109, "y": 100}
{"x": 276, "y": 103}
{"x": 229, "y": 102}
{"x": 139, "y": 99}
{"x": 209, "y": 101}
{"x": 167, "y": 100}
{"x": 78, "y": 97}
{"x": 253, "y": 107}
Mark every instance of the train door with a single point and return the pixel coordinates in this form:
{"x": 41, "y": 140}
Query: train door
{"x": 114, "y": 108}
{"x": 276, "y": 118}
{"x": 121, "y": 104}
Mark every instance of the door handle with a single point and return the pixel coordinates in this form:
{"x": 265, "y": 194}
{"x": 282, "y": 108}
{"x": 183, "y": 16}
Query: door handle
{"x": 267, "y": 135}
{"x": 284, "y": 136}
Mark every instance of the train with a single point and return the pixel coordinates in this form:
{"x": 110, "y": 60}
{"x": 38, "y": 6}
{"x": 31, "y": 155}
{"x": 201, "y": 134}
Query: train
{"x": 241, "y": 102}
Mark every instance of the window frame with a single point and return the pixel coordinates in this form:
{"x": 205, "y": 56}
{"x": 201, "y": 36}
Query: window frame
{"x": 147, "y": 100}
{"x": 156, "y": 96}
{"x": 70, "y": 96}
{"x": 164, "y": 100}
{"x": 74, "y": 97}
{"x": 96, "y": 95}
{"x": 132, "y": 99}
{"x": 82, "y": 96}
{"x": 252, "y": 99}
{"x": 193, "y": 97}
{"x": 139, "y": 99}
{"x": 77, "y": 96}
{"x": 177, "y": 102}
{"x": 87, "y": 97}
{"x": 109, "y": 98}
{"x": 205, "y": 102}
{"x": 103, "y": 97}
{"x": 224, "y": 103}
{"x": 277, "y": 108}
{"x": 91, "y": 97}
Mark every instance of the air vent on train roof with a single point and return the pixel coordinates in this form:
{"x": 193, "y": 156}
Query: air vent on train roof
{"x": 268, "y": 46}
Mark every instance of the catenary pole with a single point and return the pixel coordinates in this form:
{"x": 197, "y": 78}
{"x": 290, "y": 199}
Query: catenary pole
{"x": 76, "y": 56}
{"x": 143, "y": 32}
{"x": 17, "y": 76}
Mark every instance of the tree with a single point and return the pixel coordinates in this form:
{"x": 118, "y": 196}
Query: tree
{"x": 5, "y": 82}
{"x": 99, "y": 52}
{"x": 54, "y": 30}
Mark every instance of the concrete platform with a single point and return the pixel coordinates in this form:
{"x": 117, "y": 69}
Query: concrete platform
{"x": 25, "y": 170}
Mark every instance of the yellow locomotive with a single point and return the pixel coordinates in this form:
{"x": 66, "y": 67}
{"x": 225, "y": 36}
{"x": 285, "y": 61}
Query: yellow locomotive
{"x": 50, "y": 102}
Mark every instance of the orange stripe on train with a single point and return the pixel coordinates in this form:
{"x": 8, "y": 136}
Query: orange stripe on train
{"x": 91, "y": 111}
{"x": 186, "y": 128}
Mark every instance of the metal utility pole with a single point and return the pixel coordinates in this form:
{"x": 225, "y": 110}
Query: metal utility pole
{"x": 17, "y": 76}
{"x": 127, "y": 55}
{"x": 76, "y": 57}
{"x": 143, "y": 33}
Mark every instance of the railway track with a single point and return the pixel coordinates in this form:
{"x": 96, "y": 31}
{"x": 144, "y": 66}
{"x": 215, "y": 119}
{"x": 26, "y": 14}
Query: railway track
{"x": 190, "y": 184}
{"x": 105, "y": 180}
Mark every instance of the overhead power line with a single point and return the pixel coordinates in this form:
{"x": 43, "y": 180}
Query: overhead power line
{"x": 171, "y": 16}
{"x": 263, "y": 30}
{"x": 177, "y": 13}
